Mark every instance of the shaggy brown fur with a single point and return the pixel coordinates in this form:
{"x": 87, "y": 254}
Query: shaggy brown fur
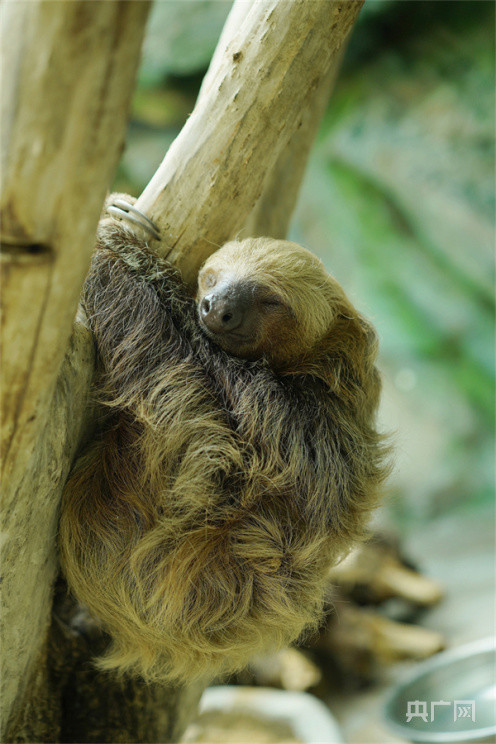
{"x": 200, "y": 526}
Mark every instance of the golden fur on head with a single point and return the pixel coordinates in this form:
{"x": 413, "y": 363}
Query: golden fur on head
{"x": 200, "y": 525}
{"x": 294, "y": 296}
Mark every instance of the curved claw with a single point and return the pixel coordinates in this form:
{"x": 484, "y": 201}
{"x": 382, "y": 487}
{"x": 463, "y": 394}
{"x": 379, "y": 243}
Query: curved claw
{"x": 124, "y": 210}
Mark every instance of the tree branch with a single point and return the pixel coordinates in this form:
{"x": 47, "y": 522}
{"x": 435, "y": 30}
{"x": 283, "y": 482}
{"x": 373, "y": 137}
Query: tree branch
{"x": 250, "y": 105}
{"x": 271, "y": 214}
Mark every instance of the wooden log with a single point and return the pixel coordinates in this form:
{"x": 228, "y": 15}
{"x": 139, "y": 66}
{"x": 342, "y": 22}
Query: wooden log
{"x": 272, "y": 213}
{"x": 68, "y": 72}
{"x": 375, "y": 571}
{"x": 361, "y": 640}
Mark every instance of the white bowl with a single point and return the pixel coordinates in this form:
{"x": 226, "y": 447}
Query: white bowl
{"x": 307, "y": 716}
{"x": 465, "y": 680}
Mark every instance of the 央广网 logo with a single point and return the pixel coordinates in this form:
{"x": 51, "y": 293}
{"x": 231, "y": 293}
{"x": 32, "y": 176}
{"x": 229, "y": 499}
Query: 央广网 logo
{"x": 421, "y": 709}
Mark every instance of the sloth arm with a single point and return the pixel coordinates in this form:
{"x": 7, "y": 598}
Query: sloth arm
{"x": 138, "y": 309}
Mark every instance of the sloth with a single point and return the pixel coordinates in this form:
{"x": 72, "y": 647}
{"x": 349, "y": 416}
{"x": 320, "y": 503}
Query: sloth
{"x": 236, "y": 461}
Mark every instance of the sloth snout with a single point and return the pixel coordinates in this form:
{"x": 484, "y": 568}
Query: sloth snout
{"x": 220, "y": 315}
{"x": 222, "y": 311}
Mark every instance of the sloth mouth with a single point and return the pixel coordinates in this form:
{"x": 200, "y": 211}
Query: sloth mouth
{"x": 228, "y": 338}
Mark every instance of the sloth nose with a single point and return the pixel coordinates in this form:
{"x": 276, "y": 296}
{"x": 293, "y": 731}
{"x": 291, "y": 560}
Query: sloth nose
{"x": 221, "y": 312}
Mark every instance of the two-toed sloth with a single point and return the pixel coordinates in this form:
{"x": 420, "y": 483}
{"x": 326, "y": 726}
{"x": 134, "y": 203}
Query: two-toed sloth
{"x": 238, "y": 459}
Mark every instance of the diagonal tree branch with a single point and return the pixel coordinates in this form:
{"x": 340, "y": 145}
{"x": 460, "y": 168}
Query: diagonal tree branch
{"x": 272, "y": 213}
{"x": 251, "y": 103}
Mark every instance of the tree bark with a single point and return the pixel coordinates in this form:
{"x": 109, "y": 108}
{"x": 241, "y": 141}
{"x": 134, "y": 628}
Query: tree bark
{"x": 68, "y": 74}
{"x": 272, "y": 213}
{"x": 265, "y": 84}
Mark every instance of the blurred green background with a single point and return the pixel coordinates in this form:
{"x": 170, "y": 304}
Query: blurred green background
{"x": 398, "y": 201}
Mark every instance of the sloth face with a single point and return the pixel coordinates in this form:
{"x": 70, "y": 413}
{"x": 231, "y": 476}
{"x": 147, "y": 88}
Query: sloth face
{"x": 260, "y": 298}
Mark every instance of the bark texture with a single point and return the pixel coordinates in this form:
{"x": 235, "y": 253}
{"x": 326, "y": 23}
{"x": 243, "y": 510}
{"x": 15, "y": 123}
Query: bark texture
{"x": 272, "y": 213}
{"x": 68, "y": 74}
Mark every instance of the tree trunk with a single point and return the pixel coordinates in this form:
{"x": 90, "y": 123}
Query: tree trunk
{"x": 68, "y": 75}
{"x": 258, "y": 110}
